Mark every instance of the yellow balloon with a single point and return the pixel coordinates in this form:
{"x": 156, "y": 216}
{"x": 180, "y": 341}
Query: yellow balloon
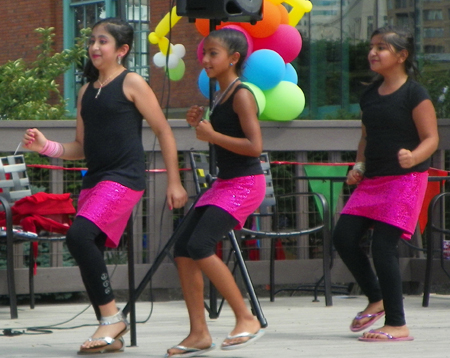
{"x": 153, "y": 38}
{"x": 164, "y": 46}
{"x": 167, "y": 22}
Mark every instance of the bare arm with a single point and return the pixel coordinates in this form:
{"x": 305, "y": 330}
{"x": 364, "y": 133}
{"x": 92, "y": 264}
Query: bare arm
{"x": 424, "y": 117}
{"x": 33, "y": 139}
{"x": 245, "y": 106}
{"x": 354, "y": 176}
{"x": 138, "y": 91}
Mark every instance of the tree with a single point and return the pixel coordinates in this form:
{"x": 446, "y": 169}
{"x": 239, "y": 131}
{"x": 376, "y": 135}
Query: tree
{"x": 26, "y": 88}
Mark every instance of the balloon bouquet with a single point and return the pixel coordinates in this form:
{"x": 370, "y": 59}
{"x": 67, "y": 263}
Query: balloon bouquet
{"x": 273, "y": 42}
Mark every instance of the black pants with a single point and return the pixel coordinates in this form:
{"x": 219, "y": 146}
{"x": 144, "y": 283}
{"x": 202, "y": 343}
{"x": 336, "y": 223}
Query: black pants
{"x": 388, "y": 286}
{"x": 86, "y": 243}
{"x": 206, "y": 227}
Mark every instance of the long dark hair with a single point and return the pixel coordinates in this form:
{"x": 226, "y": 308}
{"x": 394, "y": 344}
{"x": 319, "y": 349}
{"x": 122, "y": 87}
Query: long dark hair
{"x": 234, "y": 41}
{"x": 122, "y": 32}
{"x": 400, "y": 39}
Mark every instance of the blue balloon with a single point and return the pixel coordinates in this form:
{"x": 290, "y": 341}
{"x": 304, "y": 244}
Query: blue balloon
{"x": 203, "y": 83}
{"x": 291, "y": 74}
{"x": 264, "y": 68}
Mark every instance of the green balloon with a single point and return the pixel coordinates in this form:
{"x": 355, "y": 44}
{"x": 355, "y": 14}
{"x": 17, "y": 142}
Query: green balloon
{"x": 259, "y": 96}
{"x": 284, "y": 102}
{"x": 177, "y": 73}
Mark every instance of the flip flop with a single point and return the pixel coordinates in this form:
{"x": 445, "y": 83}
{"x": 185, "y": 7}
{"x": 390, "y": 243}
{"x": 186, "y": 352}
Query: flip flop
{"x": 189, "y": 352}
{"x": 389, "y": 337}
{"x": 105, "y": 348}
{"x": 374, "y": 317}
{"x": 252, "y": 337}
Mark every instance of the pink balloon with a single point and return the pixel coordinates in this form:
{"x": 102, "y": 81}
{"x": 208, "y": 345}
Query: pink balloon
{"x": 234, "y": 27}
{"x": 286, "y": 41}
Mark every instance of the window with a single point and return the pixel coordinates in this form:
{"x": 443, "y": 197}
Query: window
{"x": 80, "y": 14}
{"x": 431, "y": 15}
{"x": 431, "y": 32}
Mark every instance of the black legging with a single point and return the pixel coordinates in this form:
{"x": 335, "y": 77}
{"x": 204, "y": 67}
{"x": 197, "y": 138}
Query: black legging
{"x": 86, "y": 243}
{"x": 347, "y": 237}
{"x": 206, "y": 227}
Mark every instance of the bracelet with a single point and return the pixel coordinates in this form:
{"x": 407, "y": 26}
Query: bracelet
{"x": 360, "y": 167}
{"x": 52, "y": 149}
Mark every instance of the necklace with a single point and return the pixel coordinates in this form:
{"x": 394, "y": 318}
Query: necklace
{"x": 102, "y": 84}
{"x": 217, "y": 100}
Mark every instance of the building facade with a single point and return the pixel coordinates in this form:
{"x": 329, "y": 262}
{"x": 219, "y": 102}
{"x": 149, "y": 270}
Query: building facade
{"x": 331, "y": 66}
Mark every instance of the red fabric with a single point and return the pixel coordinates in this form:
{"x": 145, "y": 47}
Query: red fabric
{"x": 42, "y": 211}
{"x": 433, "y": 188}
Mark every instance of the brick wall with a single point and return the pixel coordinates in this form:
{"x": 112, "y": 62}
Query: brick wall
{"x": 19, "y": 18}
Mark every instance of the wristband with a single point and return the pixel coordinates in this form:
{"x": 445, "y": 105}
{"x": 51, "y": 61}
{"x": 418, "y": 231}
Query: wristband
{"x": 52, "y": 149}
{"x": 360, "y": 167}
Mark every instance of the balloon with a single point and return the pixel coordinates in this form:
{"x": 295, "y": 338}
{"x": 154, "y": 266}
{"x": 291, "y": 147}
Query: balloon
{"x": 284, "y": 19}
{"x": 246, "y": 34}
{"x": 286, "y": 41}
{"x": 177, "y": 73}
{"x": 167, "y": 22}
{"x": 203, "y": 83}
{"x": 264, "y": 68}
{"x": 259, "y": 96}
{"x": 298, "y": 9}
{"x": 179, "y": 50}
{"x": 284, "y": 102}
{"x": 159, "y": 59}
{"x": 290, "y": 74}
{"x": 268, "y": 25}
{"x": 202, "y": 26}
{"x": 164, "y": 45}
{"x": 200, "y": 51}
{"x": 173, "y": 61}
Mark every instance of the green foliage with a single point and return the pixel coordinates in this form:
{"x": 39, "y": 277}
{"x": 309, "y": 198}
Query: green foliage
{"x": 436, "y": 79}
{"x": 27, "y": 88}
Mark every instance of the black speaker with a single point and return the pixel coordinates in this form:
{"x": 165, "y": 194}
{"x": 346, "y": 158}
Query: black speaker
{"x": 223, "y": 10}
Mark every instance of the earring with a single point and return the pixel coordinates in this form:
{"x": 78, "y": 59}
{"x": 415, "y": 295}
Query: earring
{"x": 119, "y": 60}
{"x": 231, "y": 63}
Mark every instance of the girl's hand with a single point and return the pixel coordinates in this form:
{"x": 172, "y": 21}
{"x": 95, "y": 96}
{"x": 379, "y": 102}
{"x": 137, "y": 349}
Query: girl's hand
{"x": 205, "y": 131}
{"x": 406, "y": 158}
{"x": 194, "y": 115}
{"x": 176, "y": 196}
{"x": 34, "y": 140}
{"x": 354, "y": 177}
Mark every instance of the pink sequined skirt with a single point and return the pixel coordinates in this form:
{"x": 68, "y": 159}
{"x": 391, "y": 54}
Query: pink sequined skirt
{"x": 109, "y": 206}
{"x": 239, "y": 197}
{"x": 395, "y": 200}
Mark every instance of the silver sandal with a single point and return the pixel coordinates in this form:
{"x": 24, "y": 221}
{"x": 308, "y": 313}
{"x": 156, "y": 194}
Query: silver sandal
{"x": 109, "y": 341}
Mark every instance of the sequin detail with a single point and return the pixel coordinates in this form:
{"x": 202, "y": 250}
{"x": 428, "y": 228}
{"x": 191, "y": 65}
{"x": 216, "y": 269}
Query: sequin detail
{"x": 394, "y": 199}
{"x": 109, "y": 206}
{"x": 239, "y": 197}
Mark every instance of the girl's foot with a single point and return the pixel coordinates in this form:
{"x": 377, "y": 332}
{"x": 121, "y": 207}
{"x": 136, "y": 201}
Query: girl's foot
{"x": 111, "y": 328}
{"x": 250, "y": 326}
{"x": 201, "y": 342}
{"x": 372, "y": 313}
{"x": 388, "y": 333}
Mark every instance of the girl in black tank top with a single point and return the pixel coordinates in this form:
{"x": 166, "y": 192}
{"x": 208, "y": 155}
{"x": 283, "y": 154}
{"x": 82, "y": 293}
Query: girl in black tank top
{"x": 234, "y": 132}
{"x": 109, "y": 124}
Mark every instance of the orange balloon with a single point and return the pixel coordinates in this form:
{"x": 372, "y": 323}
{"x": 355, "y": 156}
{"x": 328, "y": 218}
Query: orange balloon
{"x": 268, "y": 25}
{"x": 284, "y": 15}
{"x": 202, "y": 26}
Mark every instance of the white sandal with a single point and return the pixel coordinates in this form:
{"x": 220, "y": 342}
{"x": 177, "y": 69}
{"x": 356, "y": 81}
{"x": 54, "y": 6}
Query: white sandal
{"x": 109, "y": 341}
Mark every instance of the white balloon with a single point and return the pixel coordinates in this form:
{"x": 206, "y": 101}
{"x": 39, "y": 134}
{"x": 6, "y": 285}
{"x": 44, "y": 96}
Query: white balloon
{"x": 159, "y": 59}
{"x": 179, "y": 50}
{"x": 173, "y": 61}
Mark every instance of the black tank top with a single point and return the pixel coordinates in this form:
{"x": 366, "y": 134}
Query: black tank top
{"x": 226, "y": 121}
{"x": 112, "y": 137}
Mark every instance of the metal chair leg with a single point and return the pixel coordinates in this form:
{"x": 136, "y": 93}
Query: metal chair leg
{"x": 254, "y": 302}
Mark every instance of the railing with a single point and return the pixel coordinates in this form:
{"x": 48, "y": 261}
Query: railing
{"x": 153, "y": 223}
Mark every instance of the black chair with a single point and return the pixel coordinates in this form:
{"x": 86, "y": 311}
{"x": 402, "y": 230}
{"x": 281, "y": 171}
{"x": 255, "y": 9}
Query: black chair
{"x": 436, "y": 225}
{"x": 200, "y": 167}
{"x": 15, "y": 185}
